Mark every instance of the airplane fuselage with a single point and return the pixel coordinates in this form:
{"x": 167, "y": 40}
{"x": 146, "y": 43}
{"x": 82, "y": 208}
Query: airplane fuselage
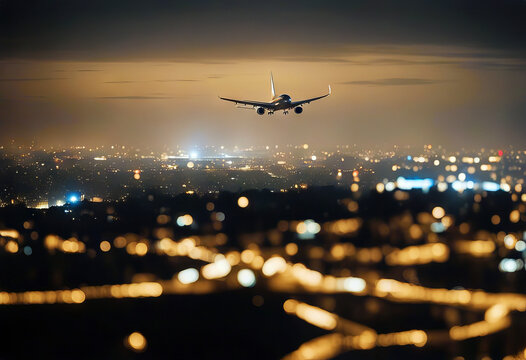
{"x": 282, "y": 102}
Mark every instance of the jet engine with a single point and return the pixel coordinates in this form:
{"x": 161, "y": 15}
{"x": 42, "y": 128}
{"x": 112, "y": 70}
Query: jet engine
{"x": 298, "y": 109}
{"x": 260, "y": 110}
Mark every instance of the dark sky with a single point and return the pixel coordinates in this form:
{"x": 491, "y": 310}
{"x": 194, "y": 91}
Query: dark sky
{"x": 403, "y": 72}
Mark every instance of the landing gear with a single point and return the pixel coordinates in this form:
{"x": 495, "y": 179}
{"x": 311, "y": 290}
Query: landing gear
{"x": 285, "y": 112}
{"x": 271, "y": 113}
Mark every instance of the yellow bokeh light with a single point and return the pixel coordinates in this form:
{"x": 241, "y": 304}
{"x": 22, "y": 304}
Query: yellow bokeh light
{"x": 141, "y": 249}
{"x": 137, "y": 341}
{"x": 105, "y": 246}
{"x": 11, "y": 247}
{"x": 495, "y": 219}
{"x": 515, "y": 216}
{"x": 242, "y": 202}
{"x": 438, "y": 212}
{"x": 119, "y": 242}
{"x": 274, "y": 265}
{"x": 291, "y": 249}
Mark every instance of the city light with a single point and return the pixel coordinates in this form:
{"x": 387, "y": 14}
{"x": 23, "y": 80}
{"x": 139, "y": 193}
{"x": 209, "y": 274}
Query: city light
{"x": 409, "y": 184}
{"x": 242, "y": 202}
{"x": 185, "y": 220}
{"x": 137, "y": 341}
{"x": 246, "y": 278}
{"x": 188, "y": 276}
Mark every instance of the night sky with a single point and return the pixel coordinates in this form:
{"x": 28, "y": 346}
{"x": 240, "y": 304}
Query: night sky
{"x": 149, "y": 72}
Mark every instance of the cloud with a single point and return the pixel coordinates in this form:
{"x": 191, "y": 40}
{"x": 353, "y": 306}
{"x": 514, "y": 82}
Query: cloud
{"x": 29, "y": 79}
{"x": 177, "y": 80}
{"x": 393, "y": 82}
{"x": 494, "y": 65}
{"x": 88, "y": 70}
{"x": 315, "y": 59}
{"x": 137, "y": 81}
{"x": 389, "y": 61}
{"x": 134, "y": 97}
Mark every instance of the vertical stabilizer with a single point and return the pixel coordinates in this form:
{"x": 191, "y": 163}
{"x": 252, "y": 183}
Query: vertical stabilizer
{"x": 272, "y": 90}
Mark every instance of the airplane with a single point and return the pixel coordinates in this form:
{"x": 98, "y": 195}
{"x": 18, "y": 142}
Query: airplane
{"x": 281, "y": 102}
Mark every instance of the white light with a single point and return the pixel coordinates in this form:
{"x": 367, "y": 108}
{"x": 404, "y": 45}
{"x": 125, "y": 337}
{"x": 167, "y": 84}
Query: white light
{"x": 458, "y": 186}
{"x": 312, "y": 226}
{"x": 354, "y": 284}
{"x": 520, "y": 245}
{"x": 218, "y": 269}
{"x": 188, "y": 276}
{"x": 442, "y": 186}
{"x": 220, "y": 216}
{"x": 313, "y": 158}
{"x": 490, "y": 186}
{"x": 246, "y": 278}
{"x": 194, "y": 155}
{"x": 390, "y": 186}
{"x": 509, "y": 265}
{"x": 509, "y": 241}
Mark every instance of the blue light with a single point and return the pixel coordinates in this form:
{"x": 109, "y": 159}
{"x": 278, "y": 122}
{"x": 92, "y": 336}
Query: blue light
{"x": 437, "y": 227}
{"x": 458, "y": 185}
{"x": 409, "y": 157}
{"x": 73, "y": 197}
{"x": 409, "y": 184}
{"x": 27, "y": 250}
{"x": 180, "y": 221}
{"x": 490, "y": 186}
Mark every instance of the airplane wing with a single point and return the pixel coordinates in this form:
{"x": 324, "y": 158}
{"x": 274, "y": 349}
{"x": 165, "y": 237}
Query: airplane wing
{"x": 307, "y": 101}
{"x": 251, "y": 103}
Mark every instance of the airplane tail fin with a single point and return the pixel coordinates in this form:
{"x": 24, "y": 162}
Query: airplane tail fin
{"x": 272, "y": 90}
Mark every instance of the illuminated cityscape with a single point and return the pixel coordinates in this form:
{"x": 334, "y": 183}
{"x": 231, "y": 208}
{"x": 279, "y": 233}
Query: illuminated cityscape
{"x": 335, "y": 238}
{"x": 41, "y": 178}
